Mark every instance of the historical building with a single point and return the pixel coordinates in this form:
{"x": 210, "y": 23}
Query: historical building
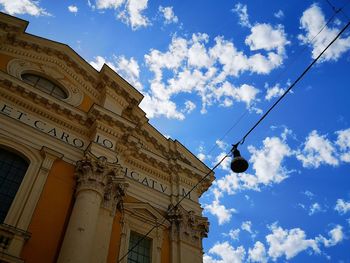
{"x": 83, "y": 175}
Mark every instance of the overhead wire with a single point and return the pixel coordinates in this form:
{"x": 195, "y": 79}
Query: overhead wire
{"x": 286, "y": 68}
{"x": 241, "y": 141}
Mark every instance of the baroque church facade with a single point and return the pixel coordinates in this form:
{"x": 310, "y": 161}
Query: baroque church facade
{"x": 83, "y": 175}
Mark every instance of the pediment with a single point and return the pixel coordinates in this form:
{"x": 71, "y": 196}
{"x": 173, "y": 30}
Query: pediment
{"x": 144, "y": 211}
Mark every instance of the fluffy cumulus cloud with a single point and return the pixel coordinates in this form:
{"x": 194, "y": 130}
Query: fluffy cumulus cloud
{"x": 267, "y": 162}
{"x": 342, "y": 207}
{"x": 336, "y": 235}
{"x": 267, "y": 37}
{"x": 168, "y": 14}
{"x": 343, "y": 141}
{"x": 288, "y": 243}
{"x": 192, "y": 66}
{"x": 19, "y": 7}
{"x": 280, "y": 243}
{"x": 127, "y": 68}
{"x": 219, "y": 210}
{"x": 257, "y": 253}
{"x": 317, "y": 150}
{"x": 73, "y": 9}
{"x": 274, "y": 91}
{"x": 226, "y": 253}
{"x": 312, "y": 21}
{"x": 129, "y": 11}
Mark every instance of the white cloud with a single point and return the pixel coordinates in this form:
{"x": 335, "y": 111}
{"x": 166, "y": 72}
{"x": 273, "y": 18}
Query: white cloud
{"x": 242, "y": 12}
{"x": 343, "y": 141}
{"x": 342, "y": 206}
{"x": 288, "y": 243}
{"x": 168, "y": 14}
{"x": 275, "y": 91}
{"x": 129, "y": 11}
{"x": 158, "y": 107}
{"x": 129, "y": 69}
{"x": 126, "y": 68}
{"x": 279, "y": 14}
{"x": 19, "y": 7}
{"x": 264, "y": 36}
{"x": 106, "y": 4}
{"x": 100, "y": 61}
{"x": 247, "y": 226}
{"x": 220, "y": 211}
{"x": 257, "y": 253}
{"x": 221, "y": 144}
{"x": 234, "y": 234}
{"x": 189, "y": 106}
{"x": 336, "y": 236}
{"x": 193, "y": 67}
{"x": 312, "y": 22}
{"x": 226, "y": 252}
{"x": 317, "y": 150}
{"x": 201, "y": 156}
{"x": 315, "y": 208}
{"x": 309, "y": 194}
{"x": 225, "y": 164}
{"x": 267, "y": 161}
{"x": 73, "y": 9}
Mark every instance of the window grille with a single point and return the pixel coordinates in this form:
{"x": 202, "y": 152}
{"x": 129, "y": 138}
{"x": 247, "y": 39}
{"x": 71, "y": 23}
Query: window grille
{"x": 12, "y": 170}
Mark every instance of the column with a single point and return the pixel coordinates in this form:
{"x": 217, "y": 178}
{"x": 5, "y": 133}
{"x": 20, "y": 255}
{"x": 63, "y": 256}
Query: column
{"x": 78, "y": 240}
{"x": 115, "y": 191}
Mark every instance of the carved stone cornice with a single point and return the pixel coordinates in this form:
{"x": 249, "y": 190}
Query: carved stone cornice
{"x": 102, "y": 114}
{"x": 11, "y": 86}
{"x": 17, "y": 44}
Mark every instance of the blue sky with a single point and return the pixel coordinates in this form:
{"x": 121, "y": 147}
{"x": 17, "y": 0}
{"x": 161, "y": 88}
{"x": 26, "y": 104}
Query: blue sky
{"x": 209, "y": 67}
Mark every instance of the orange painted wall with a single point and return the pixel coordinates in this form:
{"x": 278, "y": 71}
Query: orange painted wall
{"x": 86, "y": 104}
{"x": 51, "y": 215}
{"x": 166, "y": 247}
{"x": 114, "y": 244}
{"x": 4, "y": 59}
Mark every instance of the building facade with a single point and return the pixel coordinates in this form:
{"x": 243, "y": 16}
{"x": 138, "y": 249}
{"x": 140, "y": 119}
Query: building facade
{"x": 83, "y": 175}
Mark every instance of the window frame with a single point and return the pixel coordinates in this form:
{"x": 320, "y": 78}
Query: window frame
{"x": 140, "y": 218}
{"x": 137, "y": 236}
{"x": 14, "y": 182}
{"x": 55, "y": 85}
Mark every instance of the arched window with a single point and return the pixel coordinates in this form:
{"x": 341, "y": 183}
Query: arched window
{"x": 12, "y": 170}
{"x": 44, "y": 85}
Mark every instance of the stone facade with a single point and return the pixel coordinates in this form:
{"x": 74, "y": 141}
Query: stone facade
{"x": 97, "y": 170}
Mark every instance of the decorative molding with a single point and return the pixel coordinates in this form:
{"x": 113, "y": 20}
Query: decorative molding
{"x": 96, "y": 174}
{"x": 17, "y": 67}
{"x": 186, "y": 226}
{"x": 9, "y": 89}
{"x": 47, "y": 55}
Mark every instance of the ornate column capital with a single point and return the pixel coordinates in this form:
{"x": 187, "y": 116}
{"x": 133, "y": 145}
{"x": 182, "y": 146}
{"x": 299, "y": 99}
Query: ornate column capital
{"x": 91, "y": 174}
{"x": 187, "y": 226}
{"x": 107, "y": 179}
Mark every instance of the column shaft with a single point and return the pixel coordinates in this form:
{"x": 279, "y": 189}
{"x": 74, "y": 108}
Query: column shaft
{"x": 78, "y": 240}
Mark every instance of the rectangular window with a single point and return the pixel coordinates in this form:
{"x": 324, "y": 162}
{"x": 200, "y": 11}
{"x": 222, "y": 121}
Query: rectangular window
{"x": 142, "y": 252}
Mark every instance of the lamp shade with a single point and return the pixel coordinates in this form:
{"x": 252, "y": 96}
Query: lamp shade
{"x": 238, "y": 163}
